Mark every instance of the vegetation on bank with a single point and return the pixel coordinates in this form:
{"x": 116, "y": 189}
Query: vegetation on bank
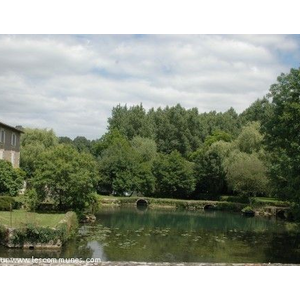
{"x": 169, "y": 152}
{"x": 225, "y": 203}
{"x": 33, "y": 229}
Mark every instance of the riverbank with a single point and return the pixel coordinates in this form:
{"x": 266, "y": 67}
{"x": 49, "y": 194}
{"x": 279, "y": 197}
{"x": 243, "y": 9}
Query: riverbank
{"x": 20, "y": 229}
{"x": 261, "y": 206}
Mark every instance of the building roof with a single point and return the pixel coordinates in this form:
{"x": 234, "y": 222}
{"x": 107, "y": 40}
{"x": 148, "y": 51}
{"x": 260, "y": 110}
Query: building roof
{"x": 11, "y": 127}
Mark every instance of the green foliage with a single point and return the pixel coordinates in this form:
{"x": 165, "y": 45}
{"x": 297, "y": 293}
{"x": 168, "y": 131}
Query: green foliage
{"x": 236, "y": 199}
{"x": 125, "y": 167}
{"x": 65, "y": 140}
{"x": 246, "y": 174}
{"x": 250, "y": 139}
{"x": 11, "y": 180}
{"x": 33, "y": 143}
{"x": 217, "y": 136}
{"x": 259, "y": 111}
{"x": 247, "y": 210}
{"x": 33, "y": 235}
{"x": 130, "y": 122}
{"x": 209, "y": 170}
{"x": 66, "y": 176}
{"x": 36, "y": 234}
{"x": 174, "y": 176}
{"x": 174, "y": 128}
{"x": 31, "y": 202}
{"x": 82, "y": 144}
{"x": 283, "y": 135}
{"x": 145, "y": 148}
{"x": 6, "y": 203}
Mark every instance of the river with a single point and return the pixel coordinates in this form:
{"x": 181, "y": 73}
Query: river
{"x": 130, "y": 234}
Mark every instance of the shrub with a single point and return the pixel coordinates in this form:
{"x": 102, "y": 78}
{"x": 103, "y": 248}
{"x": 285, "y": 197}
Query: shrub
{"x": 32, "y": 234}
{"x": 11, "y": 180}
{"x": 31, "y": 200}
{"x": 35, "y": 234}
{"x": 6, "y": 203}
{"x": 236, "y": 199}
{"x": 247, "y": 210}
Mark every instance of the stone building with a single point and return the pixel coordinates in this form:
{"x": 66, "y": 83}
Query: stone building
{"x": 10, "y": 143}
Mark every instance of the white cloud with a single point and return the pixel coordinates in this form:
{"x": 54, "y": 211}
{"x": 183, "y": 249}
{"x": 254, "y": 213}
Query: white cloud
{"x": 71, "y": 83}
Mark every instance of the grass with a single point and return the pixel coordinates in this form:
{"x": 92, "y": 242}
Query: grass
{"x": 21, "y": 217}
{"x": 264, "y": 201}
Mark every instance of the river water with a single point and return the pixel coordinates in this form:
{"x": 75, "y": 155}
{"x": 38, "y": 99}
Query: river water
{"x": 130, "y": 234}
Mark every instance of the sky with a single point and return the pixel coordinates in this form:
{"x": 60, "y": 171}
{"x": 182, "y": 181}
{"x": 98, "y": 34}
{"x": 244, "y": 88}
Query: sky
{"x": 70, "y": 83}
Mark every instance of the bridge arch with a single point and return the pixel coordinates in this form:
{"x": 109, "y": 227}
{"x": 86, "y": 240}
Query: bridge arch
{"x": 209, "y": 206}
{"x": 141, "y": 202}
{"x": 281, "y": 214}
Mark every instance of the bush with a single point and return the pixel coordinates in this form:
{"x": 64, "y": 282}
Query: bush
{"x": 33, "y": 234}
{"x": 31, "y": 200}
{"x": 11, "y": 180}
{"x": 248, "y": 210}
{"x": 236, "y": 199}
{"x": 6, "y": 203}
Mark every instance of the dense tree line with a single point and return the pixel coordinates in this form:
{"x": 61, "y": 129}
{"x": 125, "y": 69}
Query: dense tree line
{"x": 175, "y": 152}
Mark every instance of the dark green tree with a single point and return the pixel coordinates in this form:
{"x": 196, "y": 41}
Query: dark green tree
{"x": 174, "y": 176}
{"x": 11, "y": 180}
{"x": 283, "y": 135}
{"x": 259, "y": 111}
{"x": 209, "y": 170}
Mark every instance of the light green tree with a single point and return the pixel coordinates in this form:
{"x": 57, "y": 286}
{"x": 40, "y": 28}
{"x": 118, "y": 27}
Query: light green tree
{"x": 33, "y": 143}
{"x": 246, "y": 174}
{"x": 66, "y": 176}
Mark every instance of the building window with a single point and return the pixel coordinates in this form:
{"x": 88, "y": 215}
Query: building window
{"x": 13, "y": 139}
{"x": 2, "y": 136}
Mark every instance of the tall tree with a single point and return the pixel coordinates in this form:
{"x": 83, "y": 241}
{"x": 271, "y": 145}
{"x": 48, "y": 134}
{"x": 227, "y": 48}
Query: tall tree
{"x": 258, "y": 111}
{"x": 209, "y": 169}
{"x": 283, "y": 135}
{"x": 174, "y": 176}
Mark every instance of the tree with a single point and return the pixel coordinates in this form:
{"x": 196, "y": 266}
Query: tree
{"x": 11, "y": 180}
{"x": 118, "y": 164}
{"x": 174, "y": 176}
{"x": 65, "y": 140}
{"x": 218, "y": 135}
{"x": 33, "y": 143}
{"x": 146, "y": 152}
{"x": 209, "y": 169}
{"x": 145, "y": 148}
{"x": 246, "y": 174}
{"x": 250, "y": 139}
{"x": 82, "y": 144}
{"x": 258, "y": 111}
{"x": 130, "y": 122}
{"x": 66, "y": 176}
{"x": 283, "y": 135}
